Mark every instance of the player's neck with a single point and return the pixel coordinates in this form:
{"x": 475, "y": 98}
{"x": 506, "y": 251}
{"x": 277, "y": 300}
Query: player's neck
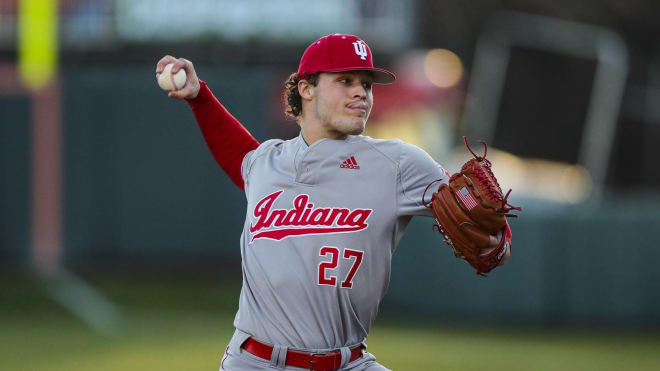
{"x": 311, "y": 133}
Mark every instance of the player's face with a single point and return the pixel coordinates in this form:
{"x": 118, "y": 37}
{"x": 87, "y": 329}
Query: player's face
{"x": 343, "y": 101}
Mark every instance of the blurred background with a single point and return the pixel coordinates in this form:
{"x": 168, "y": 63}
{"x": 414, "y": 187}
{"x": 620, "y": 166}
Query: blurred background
{"x": 119, "y": 233}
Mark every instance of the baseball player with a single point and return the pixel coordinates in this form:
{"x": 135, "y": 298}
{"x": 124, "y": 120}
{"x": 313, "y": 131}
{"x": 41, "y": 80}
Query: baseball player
{"x": 325, "y": 211}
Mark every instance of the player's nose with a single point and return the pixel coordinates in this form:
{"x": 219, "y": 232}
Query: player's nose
{"x": 359, "y": 91}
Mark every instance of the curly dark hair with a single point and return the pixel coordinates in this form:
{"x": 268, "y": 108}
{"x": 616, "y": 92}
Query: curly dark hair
{"x": 292, "y": 98}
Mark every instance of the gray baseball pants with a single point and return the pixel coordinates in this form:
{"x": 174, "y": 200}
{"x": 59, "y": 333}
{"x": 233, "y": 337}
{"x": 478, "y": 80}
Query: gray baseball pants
{"x": 238, "y": 359}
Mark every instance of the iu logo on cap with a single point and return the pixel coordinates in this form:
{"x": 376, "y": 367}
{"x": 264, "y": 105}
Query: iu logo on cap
{"x": 360, "y": 49}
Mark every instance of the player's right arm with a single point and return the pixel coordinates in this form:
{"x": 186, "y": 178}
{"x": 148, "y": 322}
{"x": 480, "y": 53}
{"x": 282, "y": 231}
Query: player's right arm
{"x": 228, "y": 140}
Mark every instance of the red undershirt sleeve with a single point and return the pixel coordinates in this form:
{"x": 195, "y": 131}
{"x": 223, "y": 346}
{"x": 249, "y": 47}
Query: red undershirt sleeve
{"x": 227, "y": 139}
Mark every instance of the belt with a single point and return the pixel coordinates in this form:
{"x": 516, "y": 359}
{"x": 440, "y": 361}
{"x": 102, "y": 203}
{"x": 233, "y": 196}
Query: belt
{"x": 312, "y": 361}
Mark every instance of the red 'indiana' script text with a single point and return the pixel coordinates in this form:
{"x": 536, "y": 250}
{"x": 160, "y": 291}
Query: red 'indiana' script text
{"x": 303, "y": 219}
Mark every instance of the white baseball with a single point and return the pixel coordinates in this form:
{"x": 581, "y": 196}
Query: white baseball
{"x": 168, "y": 81}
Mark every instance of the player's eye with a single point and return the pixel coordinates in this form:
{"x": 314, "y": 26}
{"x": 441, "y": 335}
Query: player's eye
{"x": 367, "y": 85}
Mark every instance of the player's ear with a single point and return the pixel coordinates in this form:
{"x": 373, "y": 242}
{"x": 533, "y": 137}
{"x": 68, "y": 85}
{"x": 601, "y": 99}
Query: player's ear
{"x": 306, "y": 90}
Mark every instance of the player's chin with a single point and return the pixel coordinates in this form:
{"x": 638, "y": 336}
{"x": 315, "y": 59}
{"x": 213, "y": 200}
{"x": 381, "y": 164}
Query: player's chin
{"x": 355, "y": 129}
{"x": 355, "y": 126}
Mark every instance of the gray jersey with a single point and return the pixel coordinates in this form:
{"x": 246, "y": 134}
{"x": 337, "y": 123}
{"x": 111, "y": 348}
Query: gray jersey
{"x": 321, "y": 226}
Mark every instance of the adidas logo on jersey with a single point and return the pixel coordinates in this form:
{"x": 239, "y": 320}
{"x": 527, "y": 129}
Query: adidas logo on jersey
{"x": 350, "y": 163}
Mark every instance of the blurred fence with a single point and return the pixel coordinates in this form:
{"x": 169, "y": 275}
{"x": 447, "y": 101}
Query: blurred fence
{"x": 141, "y": 188}
{"x": 575, "y": 267}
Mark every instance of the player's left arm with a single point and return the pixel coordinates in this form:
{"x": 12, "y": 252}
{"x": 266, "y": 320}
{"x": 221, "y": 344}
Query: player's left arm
{"x": 417, "y": 170}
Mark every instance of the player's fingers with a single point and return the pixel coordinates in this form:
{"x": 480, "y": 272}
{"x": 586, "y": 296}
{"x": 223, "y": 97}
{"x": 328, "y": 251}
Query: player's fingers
{"x": 164, "y": 62}
{"x": 493, "y": 243}
{"x": 182, "y": 63}
{"x": 175, "y": 94}
{"x": 486, "y": 250}
{"x": 495, "y": 239}
{"x": 178, "y": 94}
{"x": 182, "y": 93}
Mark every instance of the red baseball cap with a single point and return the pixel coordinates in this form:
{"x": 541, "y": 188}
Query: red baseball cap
{"x": 338, "y": 52}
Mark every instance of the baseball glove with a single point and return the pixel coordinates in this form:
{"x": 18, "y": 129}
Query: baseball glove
{"x": 471, "y": 208}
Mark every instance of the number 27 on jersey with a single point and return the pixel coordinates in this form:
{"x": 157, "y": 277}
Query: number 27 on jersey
{"x": 326, "y": 268}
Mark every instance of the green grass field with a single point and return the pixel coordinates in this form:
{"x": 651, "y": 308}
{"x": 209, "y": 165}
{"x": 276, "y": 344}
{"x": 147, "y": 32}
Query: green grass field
{"x": 186, "y": 325}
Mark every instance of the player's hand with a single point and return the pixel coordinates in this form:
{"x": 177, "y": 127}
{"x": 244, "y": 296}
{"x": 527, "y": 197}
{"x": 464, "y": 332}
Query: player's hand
{"x": 494, "y": 241}
{"x": 191, "y": 87}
